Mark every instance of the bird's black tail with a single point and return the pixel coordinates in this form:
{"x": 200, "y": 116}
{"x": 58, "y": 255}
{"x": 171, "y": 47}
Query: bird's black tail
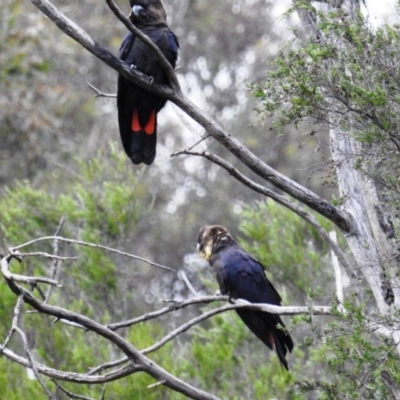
{"x": 282, "y": 342}
{"x": 140, "y": 139}
{"x": 264, "y": 326}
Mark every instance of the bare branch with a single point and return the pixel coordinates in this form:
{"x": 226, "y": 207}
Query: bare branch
{"x": 101, "y": 94}
{"x": 201, "y": 140}
{"x": 239, "y": 303}
{"x": 69, "y": 323}
{"x": 103, "y": 392}
{"x": 70, "y": 394}
{"x": 32, "y": 364}
{"x": 159, "y": 383}
{"x": 73, "y": 376}
{"x": 17, "y": 310}
{"x": 183, "y": 275}
{"x": 111, "y": 364}
{"x": 43, "y": 254}
{"x": 22, "y": 278}
{"x": 54, "y": 263}
{"x": 93, "y": 245}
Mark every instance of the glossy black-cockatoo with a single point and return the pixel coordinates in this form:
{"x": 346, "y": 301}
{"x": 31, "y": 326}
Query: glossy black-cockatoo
{"x": 241, "y": 276}
{"x": 138, "y": 108}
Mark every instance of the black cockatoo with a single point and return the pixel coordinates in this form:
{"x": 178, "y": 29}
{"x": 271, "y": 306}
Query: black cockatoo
{"x": 241, "y": 276}
{"x": 138, "y": 108}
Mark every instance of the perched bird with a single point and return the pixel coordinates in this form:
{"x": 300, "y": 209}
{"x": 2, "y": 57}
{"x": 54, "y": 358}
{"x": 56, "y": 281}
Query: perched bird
{"x": 241, "y": 276}
{"x": 138, "y": 108}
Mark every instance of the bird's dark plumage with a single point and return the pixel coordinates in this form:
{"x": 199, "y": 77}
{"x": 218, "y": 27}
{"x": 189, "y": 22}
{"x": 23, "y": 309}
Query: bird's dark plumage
{"x": 138, "y": 108}
{"x": 241, "y": 276}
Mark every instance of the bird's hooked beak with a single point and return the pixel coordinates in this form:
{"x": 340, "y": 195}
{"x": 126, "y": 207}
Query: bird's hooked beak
{"x": 205, "y": 250}
{"x": 136, "y": 10}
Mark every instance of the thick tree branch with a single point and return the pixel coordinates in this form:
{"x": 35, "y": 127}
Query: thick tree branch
{"x": 340, "y": 218}
{"x": 73, "y": 376}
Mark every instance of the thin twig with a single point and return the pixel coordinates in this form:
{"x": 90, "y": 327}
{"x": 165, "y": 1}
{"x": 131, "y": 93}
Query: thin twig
{"x": 54, "y": 263}
{"x": 202, "y": 139}
{"x": 73, "y": 376}
{"x": 93, "y": 245}
{"x": 32, "y": 364}
{"x": 183, "y": 275}
{"x": 45, "y": 255}
{"x": 69, "y": 323}
{"x": 362, "y": 384}
{"x": 159, "y": 383}
{"x": 99, "y": 93}
{"x": 103, "y": 393}
{"x": 70, "y": 394}
{"x": 14, "y": 324}
{"x": 107, "y": 365}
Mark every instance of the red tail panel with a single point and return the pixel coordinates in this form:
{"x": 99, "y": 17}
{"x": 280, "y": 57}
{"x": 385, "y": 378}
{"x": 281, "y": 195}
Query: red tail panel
{"x": 151, "y": 123}
{"x": 135, "y": 121}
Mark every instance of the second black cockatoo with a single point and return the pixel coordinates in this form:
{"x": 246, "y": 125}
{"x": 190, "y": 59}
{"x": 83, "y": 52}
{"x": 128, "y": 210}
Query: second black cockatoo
{"x": 241, "y": 276}
{"x": 138, "y": 108}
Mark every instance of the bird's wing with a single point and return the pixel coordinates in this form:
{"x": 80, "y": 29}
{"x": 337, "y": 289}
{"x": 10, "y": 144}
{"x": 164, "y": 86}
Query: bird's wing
{"x": 126, "y": 45}
{"x": 245, "y": 278}
{"x": 173, "y": 45}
